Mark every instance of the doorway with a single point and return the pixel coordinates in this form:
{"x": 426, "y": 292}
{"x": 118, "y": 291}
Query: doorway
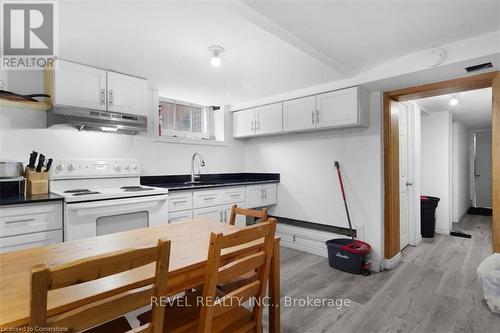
{"x": 482, "y": 166}
{"x": 392, "y": 162}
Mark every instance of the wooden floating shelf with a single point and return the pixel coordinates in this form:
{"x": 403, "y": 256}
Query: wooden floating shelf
{"x": 39, "y": 106}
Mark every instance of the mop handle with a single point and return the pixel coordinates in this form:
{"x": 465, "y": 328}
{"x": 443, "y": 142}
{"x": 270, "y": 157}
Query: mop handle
{"x": 337, "y": 165}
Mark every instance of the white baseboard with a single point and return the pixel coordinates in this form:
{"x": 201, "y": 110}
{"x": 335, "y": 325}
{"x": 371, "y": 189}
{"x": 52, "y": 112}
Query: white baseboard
{"x": 392, "y": 262}
{"x": 442, "y": 231}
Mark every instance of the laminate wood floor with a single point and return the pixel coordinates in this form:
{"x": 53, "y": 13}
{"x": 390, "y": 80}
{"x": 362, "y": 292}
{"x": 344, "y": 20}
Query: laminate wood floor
{"x": 433, "y": 289}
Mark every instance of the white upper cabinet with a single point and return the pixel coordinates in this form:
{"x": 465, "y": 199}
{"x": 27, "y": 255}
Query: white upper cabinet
{"x": 263, "y": 120}
{"x": 339, "y": 108}
{"x": 269, "y": 119}
{"x": 336, "y": 109}
{"x": 244, "y": 123}
{"x": 79, "y": 86}
{"x": 127, "y": 94}
{"x": 299, "y": 114}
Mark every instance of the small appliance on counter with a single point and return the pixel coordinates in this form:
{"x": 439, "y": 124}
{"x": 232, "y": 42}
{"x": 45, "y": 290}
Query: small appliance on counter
{"x": 37, "y": 174}
{"x": 12, "y": 181}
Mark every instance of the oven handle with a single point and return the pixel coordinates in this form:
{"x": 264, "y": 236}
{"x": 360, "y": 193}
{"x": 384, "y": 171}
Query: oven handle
{"x": 116, "y": 202}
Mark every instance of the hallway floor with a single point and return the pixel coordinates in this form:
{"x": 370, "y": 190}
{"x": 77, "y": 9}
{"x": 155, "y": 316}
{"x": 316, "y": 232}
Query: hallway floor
{"x": 433, "y": 289}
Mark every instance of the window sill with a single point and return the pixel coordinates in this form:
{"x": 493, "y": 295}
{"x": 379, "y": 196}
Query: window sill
{"x": 188, "y": 141}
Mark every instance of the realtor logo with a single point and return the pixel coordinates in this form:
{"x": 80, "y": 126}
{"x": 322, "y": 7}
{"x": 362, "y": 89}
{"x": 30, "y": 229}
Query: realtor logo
{"x": 28, "y": 35}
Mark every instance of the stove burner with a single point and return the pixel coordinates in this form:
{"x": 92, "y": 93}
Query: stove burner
{"x": 135, "y": 188}
{"x": 78, "y": 190}
{"x": 86, "y": 192}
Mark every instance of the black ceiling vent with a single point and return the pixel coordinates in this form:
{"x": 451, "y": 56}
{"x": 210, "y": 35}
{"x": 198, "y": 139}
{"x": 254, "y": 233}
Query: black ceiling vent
{"x": 479, "y": 67}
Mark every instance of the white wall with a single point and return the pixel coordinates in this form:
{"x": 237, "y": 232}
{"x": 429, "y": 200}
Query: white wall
{"x": 309, "y": 188}
{"x": 461, "y": 171}
{"x": 436, "y": 165}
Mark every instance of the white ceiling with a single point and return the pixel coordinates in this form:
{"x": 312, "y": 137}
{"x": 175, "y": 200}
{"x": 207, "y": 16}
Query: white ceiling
{"x": 270, "y": 47}
{"x": 473, "y": 108}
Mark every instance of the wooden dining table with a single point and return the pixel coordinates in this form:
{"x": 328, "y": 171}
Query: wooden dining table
{"x": 188, "y": 257}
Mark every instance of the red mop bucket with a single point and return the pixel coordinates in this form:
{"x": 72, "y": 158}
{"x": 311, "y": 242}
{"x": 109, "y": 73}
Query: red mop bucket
{"x": 347, "y": 254}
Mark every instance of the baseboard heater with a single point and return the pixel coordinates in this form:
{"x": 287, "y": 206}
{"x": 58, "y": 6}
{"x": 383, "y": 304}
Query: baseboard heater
{"x": 315, "y": 226}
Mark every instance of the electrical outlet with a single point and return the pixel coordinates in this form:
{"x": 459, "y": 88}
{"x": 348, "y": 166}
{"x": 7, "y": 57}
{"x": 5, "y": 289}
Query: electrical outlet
{"x": 363, "y": 143}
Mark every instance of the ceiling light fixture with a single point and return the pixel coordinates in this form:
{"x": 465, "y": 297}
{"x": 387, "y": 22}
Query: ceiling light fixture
{"x": 216, "y": 51}
{"x": 453, "y": 101}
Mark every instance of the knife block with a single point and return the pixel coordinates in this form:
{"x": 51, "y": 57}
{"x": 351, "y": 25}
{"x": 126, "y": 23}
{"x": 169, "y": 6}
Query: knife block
{"x": 36, "y": 182}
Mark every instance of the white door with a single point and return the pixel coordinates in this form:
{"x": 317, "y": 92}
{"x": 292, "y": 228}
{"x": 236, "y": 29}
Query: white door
{"x": 403, "y": 174}
{"x": 255, "y": 196}
{"x": 243, "y": 123}
{"x": 127, "y": 94}
{"x": 79, "y": 86}
{"x": 211, "y": 213}
{"x": 175, "y": 217}
{"x": 483, "y": 165}
{"x": 241, "y": 220}
{"x": 299, "y": 114}
{"x": 269, "y": 119}
{"x": 337, "y": 108}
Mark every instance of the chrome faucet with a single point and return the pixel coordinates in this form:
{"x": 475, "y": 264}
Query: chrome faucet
{"x": 197, "y": 177}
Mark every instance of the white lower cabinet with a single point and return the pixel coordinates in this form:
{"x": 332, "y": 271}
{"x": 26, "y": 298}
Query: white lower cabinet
{"x": 180, "y": 216}
{"x": 30, "y": 225}
{"x": 21, "y": 242}
{"x": 216, "y": 204}
{"x": 261, "y": 195}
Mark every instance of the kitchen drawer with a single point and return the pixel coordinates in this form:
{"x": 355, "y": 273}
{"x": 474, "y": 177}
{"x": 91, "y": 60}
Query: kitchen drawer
{"x": 180, "y": 201}
{"x": 208, "y": 198}
{"x": 234, "y": 195}
{"x": 23, "y": 219}
{"x": 14, "y": 243}
{"x": 177, "y": 217}
{"x": 212, "y": 213}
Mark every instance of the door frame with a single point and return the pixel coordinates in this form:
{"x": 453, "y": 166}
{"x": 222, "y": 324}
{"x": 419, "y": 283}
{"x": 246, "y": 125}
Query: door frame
{"x": 391, "y": 149}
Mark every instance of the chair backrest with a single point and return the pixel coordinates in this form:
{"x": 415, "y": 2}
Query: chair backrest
{"x": 102, "y": 310}
{"x": 254, "y": 254}
{"x": 235, "y": 210}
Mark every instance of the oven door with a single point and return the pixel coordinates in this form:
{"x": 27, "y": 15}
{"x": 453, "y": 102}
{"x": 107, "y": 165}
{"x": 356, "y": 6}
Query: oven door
{"x": 95, "y": 218}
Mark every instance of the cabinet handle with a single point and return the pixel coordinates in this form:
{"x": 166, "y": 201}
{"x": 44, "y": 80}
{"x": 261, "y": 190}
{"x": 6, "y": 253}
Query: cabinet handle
{"x": 265, "y": 193}
{"x": 312, "y": 117}
{"x": 252, "y": 126}
{"x": 317, "y": 116}
{"x": 220, "y": 220}
{"x": 179, "y": 202}
{"x": 235, "y": 195}
{"x": 103, "y": 96}
{"x": 19, "y": 221}
{"x": 110, "y": 96}
{"x": 208, "y": 198}
{"x": 257, "y": 125}
{"x": 225, "y": 216}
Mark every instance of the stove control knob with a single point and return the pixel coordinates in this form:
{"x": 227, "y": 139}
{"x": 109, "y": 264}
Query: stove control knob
{"x": 126, "y": 167}
{"x": 117, "y": 167}
{"x": 60, "y": 167}
{"x": 134, "y": 166}
{"x": 71, "y": 167}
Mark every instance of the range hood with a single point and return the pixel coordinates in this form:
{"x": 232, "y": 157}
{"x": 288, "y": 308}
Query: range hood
{"x": 93, "y": 120}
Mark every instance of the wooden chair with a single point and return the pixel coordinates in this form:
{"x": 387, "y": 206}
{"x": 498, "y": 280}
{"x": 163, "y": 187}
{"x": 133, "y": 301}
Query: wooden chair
{"x": 235, "y": 210}
{"x": 104, "y": 310}
{"x": 212, "y": 311}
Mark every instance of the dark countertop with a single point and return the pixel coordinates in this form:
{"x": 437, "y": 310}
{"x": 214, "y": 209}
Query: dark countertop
{"x": 178, "y": 182}
{"x": 29, "y": 199}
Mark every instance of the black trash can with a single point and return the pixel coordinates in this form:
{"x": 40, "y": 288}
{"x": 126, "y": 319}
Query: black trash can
{"x": 428, "y": 207}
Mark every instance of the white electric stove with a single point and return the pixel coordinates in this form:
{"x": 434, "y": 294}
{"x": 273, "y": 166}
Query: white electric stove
{"x": 104, "y": 196}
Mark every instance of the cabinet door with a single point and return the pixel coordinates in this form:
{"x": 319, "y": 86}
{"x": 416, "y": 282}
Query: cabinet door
{"x": 79, "y": 86}
{"x": 243, "y": 123}
{"x": 241, "y": 220}
{"x": 269, "y": 119}
{"x": 176, "y": 217}
{"x": 127, "y": 94}
{"x": 211, "y": 213}
{"x": 337, "y": 108}
{"x": 255, "y": 196}
{"x": 14, "y": 243}
{"x": 299, "y": 114}
{"x": 269, "y": 194}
